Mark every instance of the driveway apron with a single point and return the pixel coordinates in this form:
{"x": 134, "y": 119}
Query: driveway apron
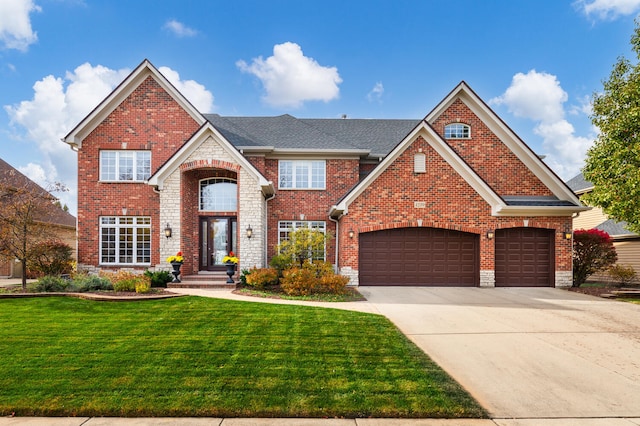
{"x": 526, "y": 352}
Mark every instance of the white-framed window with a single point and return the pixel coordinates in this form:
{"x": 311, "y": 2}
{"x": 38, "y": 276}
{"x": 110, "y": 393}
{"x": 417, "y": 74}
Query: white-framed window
{"x": 457, "y": 131}
{"x": 302, "y": 174}
{"x": 218, "y": 195}
{"x": 125, "y": 166}
{"x": 125, "y": 240}
{"x": 285, "y": 227}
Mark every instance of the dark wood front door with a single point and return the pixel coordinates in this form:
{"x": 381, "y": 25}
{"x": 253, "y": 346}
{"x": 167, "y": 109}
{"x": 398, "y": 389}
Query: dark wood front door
{"x": 217, "y": 239}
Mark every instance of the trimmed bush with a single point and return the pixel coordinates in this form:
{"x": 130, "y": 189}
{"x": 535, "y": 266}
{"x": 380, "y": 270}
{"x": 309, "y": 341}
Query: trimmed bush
{"x": 159, "y": 279}
{"x": 143, "y": 286}
{"x": 51, "y": 284}
{"x": 621, "y": 274}
{"x": 334, "y": 283}
{"x": 281, "y": 263}
{"x": 593, "y": 251}
{"x": 84, "y": 283}
{"x": 299, "y": 281}
{"x": 261, "y": 278}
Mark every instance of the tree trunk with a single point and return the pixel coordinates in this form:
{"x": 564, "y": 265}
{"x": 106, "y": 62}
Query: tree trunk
{"x": 24, "y": 274}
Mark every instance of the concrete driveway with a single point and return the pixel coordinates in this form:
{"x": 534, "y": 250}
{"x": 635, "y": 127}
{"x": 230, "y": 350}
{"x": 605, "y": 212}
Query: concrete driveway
{"x": 526, "y": 352}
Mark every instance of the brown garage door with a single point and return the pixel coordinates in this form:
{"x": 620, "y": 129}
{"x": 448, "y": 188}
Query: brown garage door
{"x": 419, "y": 257}
{"x": 525, "y": 257}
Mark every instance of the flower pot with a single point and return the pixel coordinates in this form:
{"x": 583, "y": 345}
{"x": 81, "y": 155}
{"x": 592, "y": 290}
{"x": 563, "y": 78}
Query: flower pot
{"x": 231, "y": 270}
{"x": 176, "y": 271}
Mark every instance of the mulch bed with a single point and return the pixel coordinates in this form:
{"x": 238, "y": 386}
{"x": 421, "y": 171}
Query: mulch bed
{"x": 158, "y": 293}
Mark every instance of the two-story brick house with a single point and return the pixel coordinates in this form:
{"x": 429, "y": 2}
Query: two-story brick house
{"x": 454, "y": 199}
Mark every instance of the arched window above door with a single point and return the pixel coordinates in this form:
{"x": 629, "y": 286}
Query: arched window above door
{"x": 218, "y": 195}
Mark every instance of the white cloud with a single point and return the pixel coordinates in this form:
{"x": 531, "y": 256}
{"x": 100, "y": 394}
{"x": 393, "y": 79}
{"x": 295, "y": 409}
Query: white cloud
{"x": 36, "y": 173}
{"x": 179, "y": 29}
{"x": 58, "y": 104}
{"x": 197, "y": 94}
{"x": 290, "y": 78}
{"x": 15, "y": 24}
{"x": 376, "y": 93}
{"x": 539, "y": 97}
{"x": 608, "y": 9}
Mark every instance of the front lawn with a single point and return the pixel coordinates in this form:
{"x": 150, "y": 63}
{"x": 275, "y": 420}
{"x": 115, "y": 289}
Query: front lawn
{"x": 206, "y": 357}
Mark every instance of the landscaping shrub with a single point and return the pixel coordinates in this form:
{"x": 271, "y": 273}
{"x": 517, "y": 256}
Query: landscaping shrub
{"x": 51, "y": 257}
{"x": 159, "y": 278}
{"x": 593, "y": 251}
{"x": 333, "y": 283}
{"x": 143, "y": 285}
{"x": 261, "y": 278}
{"x": 83, "y": 283}
{"x": 50, "y": 283}
{"x": 125, "y": 280}
{"x": 621, "y": 274}
{"x": 281, "y": 263}
{"x": 299, "y": 281}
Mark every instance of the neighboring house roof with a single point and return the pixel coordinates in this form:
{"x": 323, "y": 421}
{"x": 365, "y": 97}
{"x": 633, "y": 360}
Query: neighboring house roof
{"x": 616, "y": 229}
{"x": 579, "y": 184}
{"x": 12, "y": 177}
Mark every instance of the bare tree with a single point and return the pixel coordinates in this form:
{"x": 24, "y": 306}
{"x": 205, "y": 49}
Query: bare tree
{"x": 26, "y": 217}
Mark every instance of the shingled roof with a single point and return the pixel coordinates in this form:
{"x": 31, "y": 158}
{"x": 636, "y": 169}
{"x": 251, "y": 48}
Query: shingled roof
{"x": 368, "y": 137}
{"x": 12, "y": 177}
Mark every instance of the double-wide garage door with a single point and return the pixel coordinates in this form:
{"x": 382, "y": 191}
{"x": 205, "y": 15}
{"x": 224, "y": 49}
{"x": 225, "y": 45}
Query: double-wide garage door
{"x": 419, "y": 257}
{"x": 524, "y": 257}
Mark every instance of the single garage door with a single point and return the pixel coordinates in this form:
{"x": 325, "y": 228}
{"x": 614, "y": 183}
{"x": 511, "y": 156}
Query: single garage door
{"x": 419, "y": 257}
{"x": 525, "y": 257}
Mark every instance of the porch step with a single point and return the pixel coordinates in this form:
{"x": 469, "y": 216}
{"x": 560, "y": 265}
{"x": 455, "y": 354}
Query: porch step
{"x": 212, "y": 281}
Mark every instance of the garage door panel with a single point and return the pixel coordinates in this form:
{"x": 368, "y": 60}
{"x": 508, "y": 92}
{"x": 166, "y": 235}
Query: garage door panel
{"x": 419, "y": 256}
{"x": 524, "y": 257}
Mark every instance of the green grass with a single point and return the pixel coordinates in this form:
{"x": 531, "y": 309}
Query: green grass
{"x": 206, "y": 357}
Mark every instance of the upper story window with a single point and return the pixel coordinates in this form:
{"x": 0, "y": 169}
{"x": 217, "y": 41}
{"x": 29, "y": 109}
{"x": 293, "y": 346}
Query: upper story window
{"x": 218, "y": 195}
{"x": 457, "y": 131}
{"x": 125, "y": 166}
{"x": 300, "y": 174}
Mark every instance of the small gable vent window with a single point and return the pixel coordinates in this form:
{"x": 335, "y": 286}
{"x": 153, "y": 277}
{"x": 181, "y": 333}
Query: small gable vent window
{"x": 457, "y": 131}
{"x": 419, "y": 163}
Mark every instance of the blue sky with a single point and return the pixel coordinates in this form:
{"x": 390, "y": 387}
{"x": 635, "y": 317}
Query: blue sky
{"x": 536, "y": 62}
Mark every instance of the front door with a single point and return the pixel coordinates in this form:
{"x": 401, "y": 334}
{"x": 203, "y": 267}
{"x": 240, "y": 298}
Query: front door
{"x": 217, "y": 239}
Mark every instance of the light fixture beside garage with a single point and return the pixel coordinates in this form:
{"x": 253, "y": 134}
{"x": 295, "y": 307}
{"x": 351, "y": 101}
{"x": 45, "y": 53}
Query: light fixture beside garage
{"x": 568, "y": 235}
{"x": 490, "y": 235}
{"x": 351, "y": 234}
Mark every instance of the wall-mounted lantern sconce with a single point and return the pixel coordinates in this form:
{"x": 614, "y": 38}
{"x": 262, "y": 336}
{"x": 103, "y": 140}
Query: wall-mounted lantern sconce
{"x": 249, "y": 232}
{"x": 490, "y": 235}
{"x": 567, "y": 235}
{"x": 167, "y": 230}
{"x": 351, "y": 234}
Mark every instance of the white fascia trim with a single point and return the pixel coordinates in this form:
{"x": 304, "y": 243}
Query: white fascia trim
{"x": 119, "y": 94}
{"x": 443, "y": 149}
{"x": 504, "y": 210}
{"x": 192, "y": 144}
{"x": 508, "y": 137}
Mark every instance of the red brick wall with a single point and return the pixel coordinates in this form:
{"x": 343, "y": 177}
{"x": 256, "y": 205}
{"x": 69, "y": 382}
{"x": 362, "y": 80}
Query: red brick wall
{"x": 488, "y": 156}
{"x": 149, "y": 119}
{"x": 450, "y": 203}
{"x": 341, "y": 176}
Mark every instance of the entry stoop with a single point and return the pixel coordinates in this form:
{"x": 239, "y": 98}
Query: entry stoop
{"x": 208, "y": 280}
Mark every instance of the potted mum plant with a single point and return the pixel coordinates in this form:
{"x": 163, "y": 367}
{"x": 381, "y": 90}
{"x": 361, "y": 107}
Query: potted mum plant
{"x": 231, "y": 260}
{"x": 176, "y": 262}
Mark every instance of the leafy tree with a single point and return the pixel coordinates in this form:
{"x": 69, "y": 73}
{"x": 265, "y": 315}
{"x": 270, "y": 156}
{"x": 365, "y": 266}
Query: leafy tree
{"x": 593, "y": 251}
{"x": 26, "y": 208}
{"x": 304, "y": 244}
{"x": 613, "y": 163}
